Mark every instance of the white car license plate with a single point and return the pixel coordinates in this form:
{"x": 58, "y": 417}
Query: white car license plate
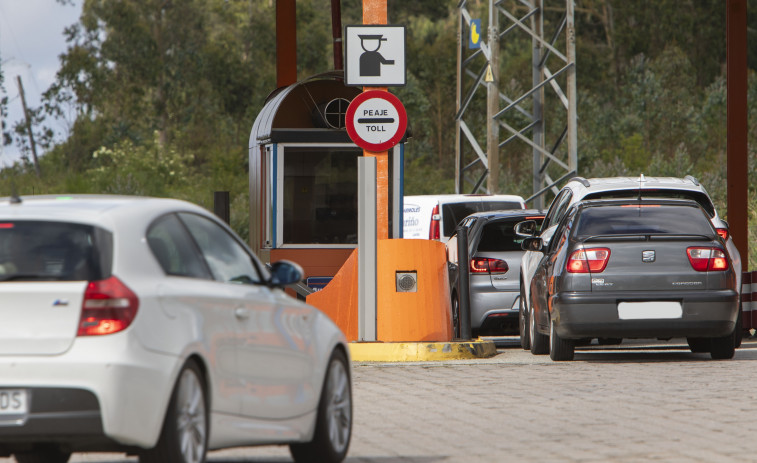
{"x": 649, "y": 310}
{"x": 13, "y": 402}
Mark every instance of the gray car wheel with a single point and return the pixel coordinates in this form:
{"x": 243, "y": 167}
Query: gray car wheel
{"x": 43, "y": 454}
{"x": 539, "y": 342}
{"x": 559, "y": 349}
{"x": 184, "y": 438}
{"x": 523, "y": 328}
{"x": 723, "y": 348}
{"x": 333, "y": 428}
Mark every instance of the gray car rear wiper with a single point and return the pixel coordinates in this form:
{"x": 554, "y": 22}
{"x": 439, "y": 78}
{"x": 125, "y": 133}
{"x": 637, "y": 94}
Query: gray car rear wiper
{"x": 680, "y": 236}
{"x": 615, "y": 237}
{"x": 647, "y": 237}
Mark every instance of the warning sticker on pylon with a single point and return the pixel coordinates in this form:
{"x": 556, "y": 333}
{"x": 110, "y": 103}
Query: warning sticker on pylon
{"x": 489, "y": 77}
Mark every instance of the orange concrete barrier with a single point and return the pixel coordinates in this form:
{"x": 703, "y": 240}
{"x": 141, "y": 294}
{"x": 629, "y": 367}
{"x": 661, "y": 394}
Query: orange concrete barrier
{"x": 423, "y": 315}
{"x": 338, "y": 299}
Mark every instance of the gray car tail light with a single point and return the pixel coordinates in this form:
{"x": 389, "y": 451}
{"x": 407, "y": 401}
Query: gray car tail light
{"x": 707, "y": 259}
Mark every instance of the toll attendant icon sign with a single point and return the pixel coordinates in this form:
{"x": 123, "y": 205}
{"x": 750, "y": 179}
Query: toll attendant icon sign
{"x": 374, "y": 56}
{"x": 376, "y": 120}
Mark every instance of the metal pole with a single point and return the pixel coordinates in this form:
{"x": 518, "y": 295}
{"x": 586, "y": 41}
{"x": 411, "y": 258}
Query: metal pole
{"x": 286, "y": 43}
{"x": 366, "y": 239}
{"x": 537, "y": 77}
{"x": 336, "y": 32}
{"x": 458, "y": 102}
{"x": 28, "y": 125}
{"x": 492, "y": 101}
{"x": 572, "y": 103}
{"x": 463, "y": 282}
{"x": 221, "y": 205}
{"x": 736, "y": 82}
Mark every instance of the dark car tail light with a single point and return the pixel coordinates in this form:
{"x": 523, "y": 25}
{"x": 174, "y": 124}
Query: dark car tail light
{"x": 723, "y": 232}
{"x": 707, "y": 259}
{"x": 488, "y": 265}
{"x": 590, "y": 260}
{"x": 109, "y": 307}
{"x": 433, "y": 230}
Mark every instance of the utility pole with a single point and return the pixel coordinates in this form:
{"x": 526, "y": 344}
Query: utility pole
{"x": 492, "y": 100}
{"x": 28, "y": 125}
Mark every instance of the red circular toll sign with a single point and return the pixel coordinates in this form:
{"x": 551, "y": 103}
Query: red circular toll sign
{"x": 376, "y": 120}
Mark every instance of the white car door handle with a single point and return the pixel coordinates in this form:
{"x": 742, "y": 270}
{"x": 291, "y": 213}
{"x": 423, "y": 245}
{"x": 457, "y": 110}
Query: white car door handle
{"x": 241, "y": 313}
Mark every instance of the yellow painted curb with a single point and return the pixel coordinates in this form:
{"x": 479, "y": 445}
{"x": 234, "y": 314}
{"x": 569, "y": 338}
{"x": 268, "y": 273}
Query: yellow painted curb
{"x": 420, "y": 351}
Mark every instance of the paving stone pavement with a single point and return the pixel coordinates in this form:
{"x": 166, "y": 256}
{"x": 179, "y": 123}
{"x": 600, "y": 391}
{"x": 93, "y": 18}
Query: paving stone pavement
{"x": 630, "y": 403}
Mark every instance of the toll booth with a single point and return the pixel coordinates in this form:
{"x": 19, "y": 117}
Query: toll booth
{"x": 303, "y": 178}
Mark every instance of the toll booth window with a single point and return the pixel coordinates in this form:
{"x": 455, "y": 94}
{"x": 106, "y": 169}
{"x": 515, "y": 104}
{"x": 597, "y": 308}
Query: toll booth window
{"x": 320, "y": 195}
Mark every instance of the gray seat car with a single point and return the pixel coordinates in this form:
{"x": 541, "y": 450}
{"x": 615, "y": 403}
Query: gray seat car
{"x": 633, "y": 269}
{"x": 642, "y": 188}
{"x": 495, "y": 253}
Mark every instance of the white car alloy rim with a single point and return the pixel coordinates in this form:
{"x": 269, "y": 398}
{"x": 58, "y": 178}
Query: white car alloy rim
{"x": 339, "y": 411}
{"x": 190, "y": 417}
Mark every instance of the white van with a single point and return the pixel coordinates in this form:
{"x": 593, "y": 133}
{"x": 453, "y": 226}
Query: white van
{"x": 435, "y": 217}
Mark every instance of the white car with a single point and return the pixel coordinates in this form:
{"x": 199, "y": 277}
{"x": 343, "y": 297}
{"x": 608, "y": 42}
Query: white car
{"x": 435, "y": 217}
{"x": 146, "y": 326}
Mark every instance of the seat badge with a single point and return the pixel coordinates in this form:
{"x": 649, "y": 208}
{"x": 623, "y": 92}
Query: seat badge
{"x": 647, "y": 256}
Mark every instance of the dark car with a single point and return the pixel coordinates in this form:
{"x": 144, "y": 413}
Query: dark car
{"x": 632, "y": 269}
{"x": 494, "y": 269}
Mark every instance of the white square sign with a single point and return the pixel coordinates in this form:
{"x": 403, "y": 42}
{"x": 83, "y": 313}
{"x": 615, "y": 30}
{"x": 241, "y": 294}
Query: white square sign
{"x": 374, "y": 56}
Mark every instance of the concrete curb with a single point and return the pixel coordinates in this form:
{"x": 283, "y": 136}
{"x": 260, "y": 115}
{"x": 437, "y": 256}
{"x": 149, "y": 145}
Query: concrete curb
{"x": 420, "y": 351}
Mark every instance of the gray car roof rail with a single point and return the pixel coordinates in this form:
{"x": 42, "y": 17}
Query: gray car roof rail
{"x": 581, "y": 180}
{"x": 692, "y": 179}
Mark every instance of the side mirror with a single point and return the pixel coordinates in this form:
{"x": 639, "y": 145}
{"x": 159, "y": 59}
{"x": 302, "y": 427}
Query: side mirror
{"x": 532, "y": 244}
{"x": 526, "y": 228}
{"x": 284, "y": 273}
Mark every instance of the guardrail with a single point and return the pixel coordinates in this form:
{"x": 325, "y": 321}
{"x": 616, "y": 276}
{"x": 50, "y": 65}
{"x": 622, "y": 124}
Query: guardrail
{"x": 749, "y": 299}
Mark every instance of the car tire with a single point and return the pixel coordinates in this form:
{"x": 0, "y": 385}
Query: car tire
{"x": 698, "y": 345}
{"x": 738, "y": 333}
{"x": 333, "y": 427}
{"x": 539, "y": 342}
{"x": 723, "y": 348}
{"x": 525, "y": 339}
{"x": 455, "y": 316}
{"x": 44, "y": 454}
{"x": 559, "y": 349}
{"x": 184, "y": 438}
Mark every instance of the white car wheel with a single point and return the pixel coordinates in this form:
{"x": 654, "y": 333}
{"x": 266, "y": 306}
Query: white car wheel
{"x": 184, "y": 438}
{"x": 333, "y": 428}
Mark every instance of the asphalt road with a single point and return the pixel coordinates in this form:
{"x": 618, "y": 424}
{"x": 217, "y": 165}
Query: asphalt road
{"x": 629, "y": 403}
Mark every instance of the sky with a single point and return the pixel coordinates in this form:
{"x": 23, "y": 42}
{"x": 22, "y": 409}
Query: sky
{"x": 31, "y": 39}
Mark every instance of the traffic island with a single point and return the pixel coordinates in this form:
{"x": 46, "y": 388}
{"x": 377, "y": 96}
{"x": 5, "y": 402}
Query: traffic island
{"x": 421, "y": 351}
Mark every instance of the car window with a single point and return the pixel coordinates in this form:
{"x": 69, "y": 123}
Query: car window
{"x": 172, "y": 246}
{"x": 500, "y": 236}
{"x": 697, "y": 196}
{"x": 557, "y": 209}
{"x": 59, "y": 251}
{"x": 650, "y": 219}
{"x": 453, "y": 213}
{"x": 228, "y": 259}
{"x": 451, "y": 247}
{"x": 562, "y": 231}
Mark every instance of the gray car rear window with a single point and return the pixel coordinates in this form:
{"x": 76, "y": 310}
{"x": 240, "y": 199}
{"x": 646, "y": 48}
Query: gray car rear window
{"x": 54, "y": 251}
{"x": 453, "y": 213}
{"x": 701, "y": 198}
{"x": 500, "y": 236}
{"x": 649, "y": 219}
